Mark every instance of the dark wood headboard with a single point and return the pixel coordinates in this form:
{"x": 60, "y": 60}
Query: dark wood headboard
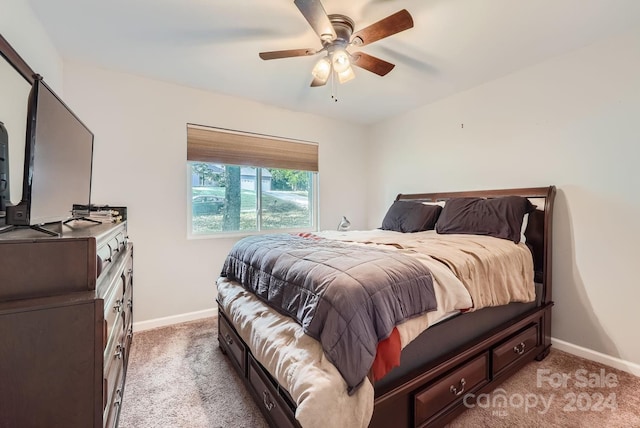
{"x": 539, "y": 227}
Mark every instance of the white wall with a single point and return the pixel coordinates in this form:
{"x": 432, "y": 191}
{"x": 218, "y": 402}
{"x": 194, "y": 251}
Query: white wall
{"x": 571, "y": 121}
{"x": 140, "y": 162}
{"x": 22, "y": 29}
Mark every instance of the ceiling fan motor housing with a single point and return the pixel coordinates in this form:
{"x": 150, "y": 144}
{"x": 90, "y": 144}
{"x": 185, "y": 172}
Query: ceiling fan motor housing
{"x": 343, "y": 26}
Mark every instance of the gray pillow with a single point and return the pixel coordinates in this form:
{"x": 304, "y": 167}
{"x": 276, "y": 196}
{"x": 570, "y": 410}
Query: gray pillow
{"x": 408, "y": 217}
{"x": 498, "y": 217}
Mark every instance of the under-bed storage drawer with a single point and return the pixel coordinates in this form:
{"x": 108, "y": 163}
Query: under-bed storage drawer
{"x": 272, "y": 403}
{"x": 446, "y": 391}
{"x": 515, "y": 348}
{"x": 231, "y": 344}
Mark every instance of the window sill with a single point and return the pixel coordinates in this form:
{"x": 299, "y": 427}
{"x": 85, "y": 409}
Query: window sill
{"x": 244, "y": 234}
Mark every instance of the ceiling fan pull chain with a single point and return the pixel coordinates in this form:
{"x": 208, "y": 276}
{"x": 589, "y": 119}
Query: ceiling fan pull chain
{"x": 334, "y": 87}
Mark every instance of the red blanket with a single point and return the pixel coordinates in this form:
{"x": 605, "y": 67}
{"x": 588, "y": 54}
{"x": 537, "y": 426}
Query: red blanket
{"x": 388, "y": 355}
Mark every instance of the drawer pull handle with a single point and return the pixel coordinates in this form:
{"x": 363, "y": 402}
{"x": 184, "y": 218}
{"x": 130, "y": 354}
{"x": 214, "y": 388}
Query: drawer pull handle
{"x": 455, "y": 390}
{"x": 266, "y": 399}
{"x": 228, "y": 339}
{"x": 519, "y": 348}
{"x": 119, "y": 352}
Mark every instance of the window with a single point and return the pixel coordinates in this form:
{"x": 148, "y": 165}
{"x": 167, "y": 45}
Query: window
{"x": 244, "y": 183}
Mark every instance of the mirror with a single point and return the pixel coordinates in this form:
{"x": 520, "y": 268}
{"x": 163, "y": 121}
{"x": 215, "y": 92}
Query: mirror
{"x": 14, "y": 94}
{"x": 13, "y": 113}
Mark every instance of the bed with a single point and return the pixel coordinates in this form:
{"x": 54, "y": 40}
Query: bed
{"x": 437, "y": 358}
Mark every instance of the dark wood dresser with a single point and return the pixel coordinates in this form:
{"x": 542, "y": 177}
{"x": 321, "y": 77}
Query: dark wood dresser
{"x": 66, "y": 306}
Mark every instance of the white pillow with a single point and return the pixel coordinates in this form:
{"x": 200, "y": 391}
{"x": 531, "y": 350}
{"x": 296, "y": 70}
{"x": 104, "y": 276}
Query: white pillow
{"x": 539, "y": 204}
{"x": 525, "y": 221}
{"x": 441, "y": 203}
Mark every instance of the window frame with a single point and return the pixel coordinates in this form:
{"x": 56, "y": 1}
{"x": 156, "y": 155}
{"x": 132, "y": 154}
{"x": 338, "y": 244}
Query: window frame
{"x": 314, "y": 201}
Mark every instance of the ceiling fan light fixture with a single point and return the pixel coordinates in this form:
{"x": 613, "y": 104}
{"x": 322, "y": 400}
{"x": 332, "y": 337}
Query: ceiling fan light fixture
{"x": 340, "y": 60}
{"x": 322, "y": 69}
{"x": 346, "y": 75}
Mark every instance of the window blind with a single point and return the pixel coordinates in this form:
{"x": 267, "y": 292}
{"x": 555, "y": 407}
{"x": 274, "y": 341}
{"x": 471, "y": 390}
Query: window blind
{"x": 215, "y": 145}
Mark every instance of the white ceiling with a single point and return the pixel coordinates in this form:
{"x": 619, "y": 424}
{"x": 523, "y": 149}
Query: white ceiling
{"x": 214, "y": 45}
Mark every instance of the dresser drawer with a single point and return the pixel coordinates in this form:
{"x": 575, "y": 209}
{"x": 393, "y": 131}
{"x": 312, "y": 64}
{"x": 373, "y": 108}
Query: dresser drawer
{"x": 128, "y": 307}
{"x": 128, "y": 270}
{"x": 103, "y": 259}
{"x": 114, "y": 306}
{"x": 271, "y": 402}
{"x": 231, "y": 344}
{"x": 113, "y": 390}
{"x": 114, "y": 351}
{"x": 515, "y": 348}
{"x": 117, "y": 243}
{"x": 450, "y": 388}
{"x": 128, "y": 338}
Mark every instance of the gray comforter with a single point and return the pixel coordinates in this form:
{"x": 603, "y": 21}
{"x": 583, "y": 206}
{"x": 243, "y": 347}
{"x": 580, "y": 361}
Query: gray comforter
{"x": 348, "y": 297}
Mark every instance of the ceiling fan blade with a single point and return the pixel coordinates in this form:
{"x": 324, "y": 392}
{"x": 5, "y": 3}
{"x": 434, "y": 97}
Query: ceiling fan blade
{"x": 371, "y": 63}
{"x": 386, "y": 27}
{"x": 286, "y": 54}
{"x": 315, "y": 14}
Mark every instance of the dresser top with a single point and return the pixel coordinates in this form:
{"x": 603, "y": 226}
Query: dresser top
{"x": 73, "y": 229}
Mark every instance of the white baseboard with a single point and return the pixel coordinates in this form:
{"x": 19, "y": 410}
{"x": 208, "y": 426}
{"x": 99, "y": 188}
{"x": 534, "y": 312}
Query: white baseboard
{"x": 598, "y": 357}
{"x": 174, "y": 319}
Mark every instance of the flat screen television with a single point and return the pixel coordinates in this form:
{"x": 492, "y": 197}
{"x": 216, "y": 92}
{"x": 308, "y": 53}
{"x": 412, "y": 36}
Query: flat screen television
{"x": 58, "y": 162}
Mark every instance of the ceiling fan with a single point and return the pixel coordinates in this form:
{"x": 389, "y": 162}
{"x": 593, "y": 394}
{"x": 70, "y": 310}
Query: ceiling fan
{"x": 336, "y": 35}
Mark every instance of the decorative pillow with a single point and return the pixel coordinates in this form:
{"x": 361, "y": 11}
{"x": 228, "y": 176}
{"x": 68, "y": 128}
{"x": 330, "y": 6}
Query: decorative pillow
{"x": 407, "y": 216}
{"x": 498, "y": 217}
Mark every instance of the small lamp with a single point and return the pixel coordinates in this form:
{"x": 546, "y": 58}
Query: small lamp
{"x": 344, "y": 224}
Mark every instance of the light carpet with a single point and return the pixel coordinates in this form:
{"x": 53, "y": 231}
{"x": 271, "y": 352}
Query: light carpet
{"x": 178, "y": 377}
